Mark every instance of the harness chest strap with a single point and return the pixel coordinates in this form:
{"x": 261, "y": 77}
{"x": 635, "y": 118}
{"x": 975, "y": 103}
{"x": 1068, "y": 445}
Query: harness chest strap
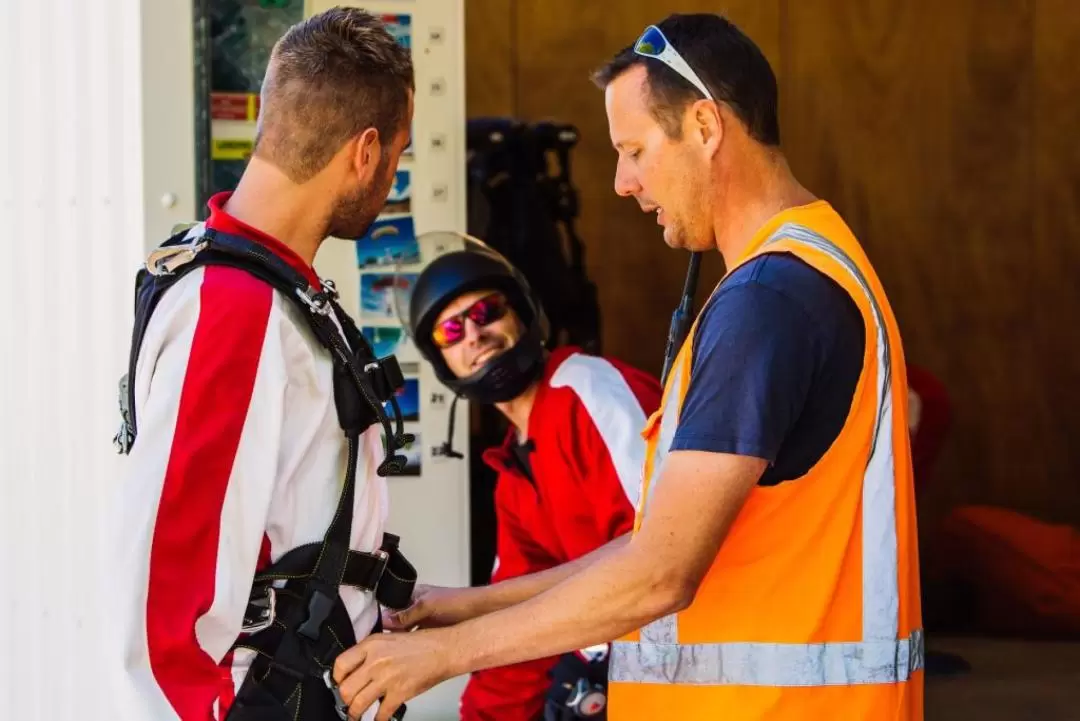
{"x": 385, "y": 573}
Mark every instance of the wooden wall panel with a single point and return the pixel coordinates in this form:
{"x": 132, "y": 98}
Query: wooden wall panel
{"x": 560, "y": 42}
{"x": 945, "y": 132}
{"x": 1053, "y": 256}
{"x": 489, "y": 58}
{"x": 915, "y": 119}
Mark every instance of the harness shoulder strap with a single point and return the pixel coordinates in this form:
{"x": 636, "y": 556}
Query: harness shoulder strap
{"x": 298, "y": 628}
{"x": 376, "y": 379}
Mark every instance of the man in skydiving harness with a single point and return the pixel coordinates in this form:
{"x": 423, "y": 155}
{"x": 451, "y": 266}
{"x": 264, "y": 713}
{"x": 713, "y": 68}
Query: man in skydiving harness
{"x": 244, "y": 563}
{"x": 567, "y": 470}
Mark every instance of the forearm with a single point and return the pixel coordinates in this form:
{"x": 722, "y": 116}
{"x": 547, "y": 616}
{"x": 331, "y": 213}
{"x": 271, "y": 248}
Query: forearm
{"x": 619, "y": 592}
{"x": 489, "y": 599}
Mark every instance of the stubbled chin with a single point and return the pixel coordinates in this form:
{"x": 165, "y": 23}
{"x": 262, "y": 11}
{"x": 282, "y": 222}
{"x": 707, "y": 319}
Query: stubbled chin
{"x": 484, "y": 357}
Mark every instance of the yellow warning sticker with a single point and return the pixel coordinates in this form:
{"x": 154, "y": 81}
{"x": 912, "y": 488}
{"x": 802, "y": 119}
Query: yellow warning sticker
{"x": 231, "y": 149}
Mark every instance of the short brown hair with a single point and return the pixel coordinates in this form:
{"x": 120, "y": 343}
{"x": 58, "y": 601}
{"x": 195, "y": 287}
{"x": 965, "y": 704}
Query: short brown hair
{"x": 331, "y": 77}
{"x": 732, "y": 67}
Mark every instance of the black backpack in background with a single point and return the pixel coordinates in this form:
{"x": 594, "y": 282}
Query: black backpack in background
{"x": 522, "y": 203}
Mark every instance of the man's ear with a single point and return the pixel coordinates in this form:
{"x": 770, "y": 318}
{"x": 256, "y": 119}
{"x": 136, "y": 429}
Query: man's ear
{"x": 708, "y": 120}
{"x": 367, "y": 154}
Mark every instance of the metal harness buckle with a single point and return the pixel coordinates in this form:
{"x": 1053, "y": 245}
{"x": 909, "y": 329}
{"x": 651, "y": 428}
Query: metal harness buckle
{"x": 384, "y": 559}
{"x": 164, "y": 261}
{"x": 124, "y": 438}
{"x": 267, "y": 606}
{"x": 317, "y": 302}
{"x": 340, "y": 706}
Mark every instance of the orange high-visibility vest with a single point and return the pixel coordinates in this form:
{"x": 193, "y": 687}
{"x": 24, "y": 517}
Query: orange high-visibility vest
{"x": 811, "y": 609}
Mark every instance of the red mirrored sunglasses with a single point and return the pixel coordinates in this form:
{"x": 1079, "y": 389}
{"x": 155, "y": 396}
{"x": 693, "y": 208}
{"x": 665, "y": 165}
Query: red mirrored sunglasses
{"x": 483, "y": 312}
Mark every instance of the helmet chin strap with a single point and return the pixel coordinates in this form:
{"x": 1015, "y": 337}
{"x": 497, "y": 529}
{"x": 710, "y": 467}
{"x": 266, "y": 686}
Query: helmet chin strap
{"x": 506, "y": 376}
{"x": 447, "y": 448}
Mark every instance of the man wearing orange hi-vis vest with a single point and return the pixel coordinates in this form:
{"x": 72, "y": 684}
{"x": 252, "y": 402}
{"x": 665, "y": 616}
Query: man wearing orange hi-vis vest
{"x": 773, "y": 568}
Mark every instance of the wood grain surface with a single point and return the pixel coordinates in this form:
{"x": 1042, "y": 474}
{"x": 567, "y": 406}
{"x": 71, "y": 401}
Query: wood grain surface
{"x": 945, "y": 132}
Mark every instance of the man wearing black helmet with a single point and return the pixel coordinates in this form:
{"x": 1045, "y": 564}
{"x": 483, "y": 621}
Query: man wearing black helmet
{"x": 568, "y": 470}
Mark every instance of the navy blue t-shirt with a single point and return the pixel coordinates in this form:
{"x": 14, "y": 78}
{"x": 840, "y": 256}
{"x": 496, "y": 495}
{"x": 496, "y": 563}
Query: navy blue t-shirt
{"x": 777, "y": 354}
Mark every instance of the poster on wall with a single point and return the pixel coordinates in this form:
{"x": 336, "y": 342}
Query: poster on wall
{"x": 380, "y": 293}
{"x": 400, "y": 27}
{"x": 408, "y": 400}
{"x": 390, "y": 340}
{"x": 390, "y": 241}
{"x": 399, "y": 201}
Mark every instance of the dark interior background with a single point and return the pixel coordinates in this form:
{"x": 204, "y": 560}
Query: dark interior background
{"x": 944, "y": 131}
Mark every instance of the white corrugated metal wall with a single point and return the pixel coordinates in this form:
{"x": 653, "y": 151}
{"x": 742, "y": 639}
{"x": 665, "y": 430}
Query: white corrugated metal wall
{"x": 75, "y": 137}
{"x": 96, "y": 157}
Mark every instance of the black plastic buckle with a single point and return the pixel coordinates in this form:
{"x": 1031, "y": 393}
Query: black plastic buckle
{"x": 319, "y": 608}
{"x": 385, "y": 376}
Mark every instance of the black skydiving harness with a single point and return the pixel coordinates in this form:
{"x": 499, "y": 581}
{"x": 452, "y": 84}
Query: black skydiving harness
{"x": 300, "y": 627}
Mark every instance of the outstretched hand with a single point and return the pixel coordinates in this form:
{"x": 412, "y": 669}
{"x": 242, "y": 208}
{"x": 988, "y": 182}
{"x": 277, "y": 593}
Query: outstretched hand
{"x": 433, "y": 607}
{"x": 391, "y": 668}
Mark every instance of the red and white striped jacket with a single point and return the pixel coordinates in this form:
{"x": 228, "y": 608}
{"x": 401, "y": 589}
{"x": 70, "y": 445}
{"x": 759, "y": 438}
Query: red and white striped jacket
{"x": 239, "y": 459}
{"x": 585, "y": 460}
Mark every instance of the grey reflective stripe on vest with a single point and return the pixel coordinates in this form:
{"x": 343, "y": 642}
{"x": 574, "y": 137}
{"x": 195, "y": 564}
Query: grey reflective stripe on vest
{"x": 879, "y": 657}
{"x": 663, "y": 630}
{"x": 768, "y": 664}
{"x": 881, "y": 597}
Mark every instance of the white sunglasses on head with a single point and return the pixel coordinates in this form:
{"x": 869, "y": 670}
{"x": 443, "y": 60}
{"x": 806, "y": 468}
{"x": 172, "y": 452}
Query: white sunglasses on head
{"x": 653, "y": 44}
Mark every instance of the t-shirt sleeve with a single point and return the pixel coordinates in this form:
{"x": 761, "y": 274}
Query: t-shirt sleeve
{"x": 752, "y": 368}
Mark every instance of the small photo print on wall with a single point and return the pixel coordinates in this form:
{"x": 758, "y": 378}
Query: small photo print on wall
{"x": 408, "y": 400}
{"x": 389, "y": 241}
{"x": 400, "y": 199}
{"x": 400, "y": 28}
{"x": 389, "y": 340}
{"x": 383, "y": 295}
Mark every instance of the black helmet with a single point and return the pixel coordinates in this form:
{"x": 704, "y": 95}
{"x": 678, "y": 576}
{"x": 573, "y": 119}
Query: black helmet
{"x": 478, "y": 267}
